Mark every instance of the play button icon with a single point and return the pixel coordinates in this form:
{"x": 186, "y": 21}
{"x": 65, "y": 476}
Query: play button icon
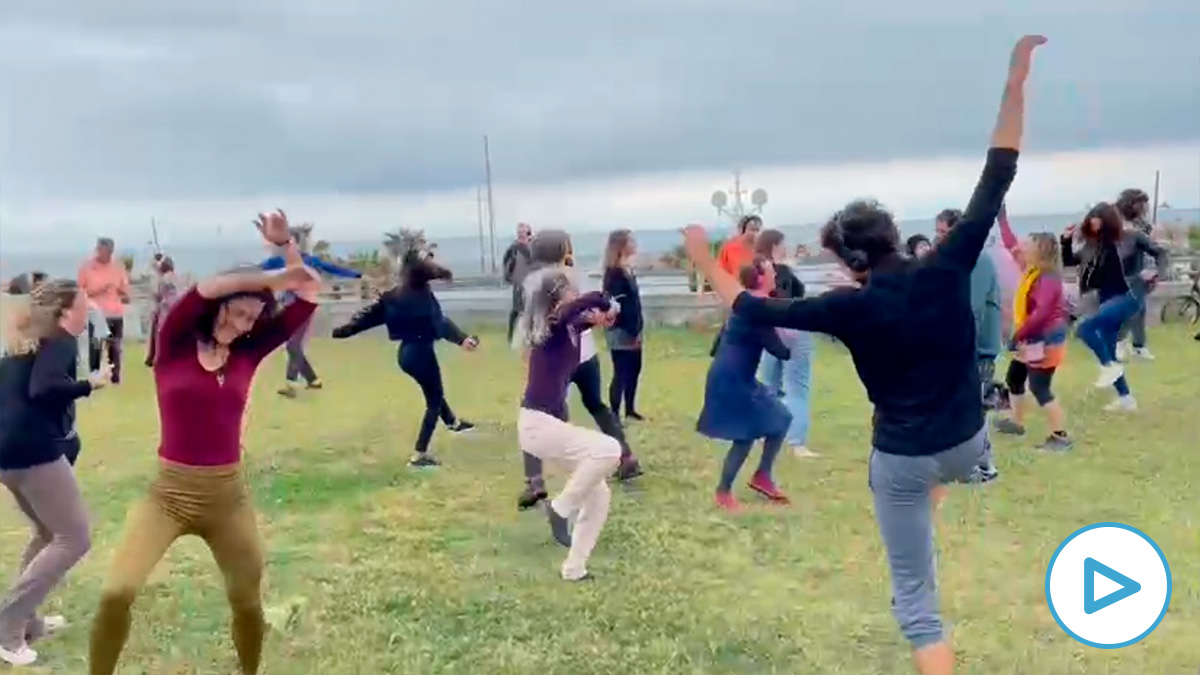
{"x": 1092, "y": 604}
{"x": 1079, "y": 587}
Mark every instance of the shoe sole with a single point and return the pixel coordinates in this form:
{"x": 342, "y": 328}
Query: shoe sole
{"x": 775, "y": 499}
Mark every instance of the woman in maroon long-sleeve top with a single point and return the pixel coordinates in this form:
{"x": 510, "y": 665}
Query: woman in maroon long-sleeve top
{"x": 209, "y": 346}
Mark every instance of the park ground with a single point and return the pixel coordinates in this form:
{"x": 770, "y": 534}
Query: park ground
{"x": 377, "y": 568}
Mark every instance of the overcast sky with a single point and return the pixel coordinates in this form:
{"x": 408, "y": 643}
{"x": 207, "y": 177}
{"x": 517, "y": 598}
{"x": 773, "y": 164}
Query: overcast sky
{"x": 364, "y": 110}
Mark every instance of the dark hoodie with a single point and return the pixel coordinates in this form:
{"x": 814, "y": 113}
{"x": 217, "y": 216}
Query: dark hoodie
{"x": 410, "y": 311}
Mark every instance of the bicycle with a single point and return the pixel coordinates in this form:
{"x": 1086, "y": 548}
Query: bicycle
{"x": 1183, "y": 308}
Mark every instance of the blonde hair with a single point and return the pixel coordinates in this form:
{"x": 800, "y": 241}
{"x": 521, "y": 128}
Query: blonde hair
{"x": 1046, "y": 258}
{"x": 38, "y": 317}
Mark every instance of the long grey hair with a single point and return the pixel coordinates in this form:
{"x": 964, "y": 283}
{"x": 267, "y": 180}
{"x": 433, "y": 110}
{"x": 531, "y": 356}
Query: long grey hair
{"x": 548, "y": 280}
{"x": 544, "y": 290}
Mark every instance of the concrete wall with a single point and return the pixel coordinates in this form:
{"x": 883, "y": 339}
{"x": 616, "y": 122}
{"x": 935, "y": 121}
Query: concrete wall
{"x": 660, "y": 310}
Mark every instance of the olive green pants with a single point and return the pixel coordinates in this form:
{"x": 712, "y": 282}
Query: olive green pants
{"x": 211, "y": 503}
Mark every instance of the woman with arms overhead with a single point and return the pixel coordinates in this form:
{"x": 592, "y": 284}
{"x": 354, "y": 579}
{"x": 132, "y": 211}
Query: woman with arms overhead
{"x": 210, "y": 344}
{"x": 911, "y": 333}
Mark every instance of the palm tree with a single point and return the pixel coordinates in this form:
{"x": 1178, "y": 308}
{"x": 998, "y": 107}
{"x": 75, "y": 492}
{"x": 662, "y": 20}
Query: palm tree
{"x": 399, "y": 242}
{"x": 322, "y": 250}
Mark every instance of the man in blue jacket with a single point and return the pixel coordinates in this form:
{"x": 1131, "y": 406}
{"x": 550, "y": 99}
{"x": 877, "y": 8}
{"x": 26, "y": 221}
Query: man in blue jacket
{"x": 985, "y": 304}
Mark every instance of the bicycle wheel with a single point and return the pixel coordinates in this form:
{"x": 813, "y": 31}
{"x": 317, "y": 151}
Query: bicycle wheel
{"x": 1181, "y": 309}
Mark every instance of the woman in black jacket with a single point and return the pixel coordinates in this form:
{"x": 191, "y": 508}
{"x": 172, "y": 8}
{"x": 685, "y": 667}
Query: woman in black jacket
{"x": 38, "y": 446}
{"x": 1105, "y": 300}
{"x": 414, "y": 318}
{"x": 624, "y": 337}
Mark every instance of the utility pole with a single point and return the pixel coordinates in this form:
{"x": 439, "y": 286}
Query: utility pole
{"x": 730, "y": 203}
{"x": 491, "y": 210}
{"x": 479, "y": 208}
{"x": 1154, "y": 211}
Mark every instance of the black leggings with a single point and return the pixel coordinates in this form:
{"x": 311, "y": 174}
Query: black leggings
{"x": 627, "y": 370}
{"x": 1039, "y": 381}
{"x": 587, "y": 380}
{"x": 419, "y": 361}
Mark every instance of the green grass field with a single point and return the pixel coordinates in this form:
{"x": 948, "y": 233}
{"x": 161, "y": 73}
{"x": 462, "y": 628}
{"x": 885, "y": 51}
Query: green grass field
{"x": 377, "y": 568}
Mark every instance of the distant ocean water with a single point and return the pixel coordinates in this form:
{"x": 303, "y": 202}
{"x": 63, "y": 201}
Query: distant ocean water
{"x": 462, "y": 253}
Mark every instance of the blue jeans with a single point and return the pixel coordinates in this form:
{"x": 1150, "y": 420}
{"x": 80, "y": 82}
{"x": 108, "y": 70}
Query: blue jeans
{"x": 1100, "y": 330}
{"x": 792, "y": 380}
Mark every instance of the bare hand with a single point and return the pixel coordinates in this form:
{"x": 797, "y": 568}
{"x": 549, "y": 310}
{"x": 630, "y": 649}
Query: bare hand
{"x": 695, "y": 242}
{"x": 471, "y": 344}
{"x": 274, "y": 227}
{"x": 594, "y": 317}
{"x": 101, "y": 377}
{"x": 1022, "y": 56}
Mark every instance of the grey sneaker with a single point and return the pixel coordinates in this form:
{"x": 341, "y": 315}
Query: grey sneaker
{"x": 1007, "y": 426}
{"x": 1056, "y": 443}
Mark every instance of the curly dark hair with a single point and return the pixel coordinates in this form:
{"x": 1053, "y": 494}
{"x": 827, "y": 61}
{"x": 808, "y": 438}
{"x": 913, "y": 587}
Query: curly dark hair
{"x": 1111, "y": 224}
{"x": 862, "y": 235}
{"x": 914, "y": 241}
{"x": 1131, "y": 202}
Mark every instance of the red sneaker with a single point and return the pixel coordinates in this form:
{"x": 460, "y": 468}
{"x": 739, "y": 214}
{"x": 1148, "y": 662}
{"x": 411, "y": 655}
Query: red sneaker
{"x": 763, "y": 485}
{"x": 727, "y": 502}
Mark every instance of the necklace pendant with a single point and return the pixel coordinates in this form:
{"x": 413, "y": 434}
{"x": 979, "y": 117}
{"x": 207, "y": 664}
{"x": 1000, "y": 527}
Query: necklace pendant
{"x": 220, "y": 379}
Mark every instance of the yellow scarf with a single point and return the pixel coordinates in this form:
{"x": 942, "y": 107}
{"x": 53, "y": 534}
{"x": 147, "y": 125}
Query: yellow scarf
{"x": 1021, "y": 298}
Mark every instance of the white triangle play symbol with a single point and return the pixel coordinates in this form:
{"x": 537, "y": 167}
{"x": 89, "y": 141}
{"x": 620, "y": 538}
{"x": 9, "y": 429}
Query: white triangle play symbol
{"x": 1105, "y": 586}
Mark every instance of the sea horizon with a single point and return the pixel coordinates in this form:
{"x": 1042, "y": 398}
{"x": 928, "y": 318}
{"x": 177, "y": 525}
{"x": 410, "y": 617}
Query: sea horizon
{"x": 463, "y": 254}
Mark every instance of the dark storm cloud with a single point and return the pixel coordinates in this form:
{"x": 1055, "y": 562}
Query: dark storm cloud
{"x": 223, "y": 98}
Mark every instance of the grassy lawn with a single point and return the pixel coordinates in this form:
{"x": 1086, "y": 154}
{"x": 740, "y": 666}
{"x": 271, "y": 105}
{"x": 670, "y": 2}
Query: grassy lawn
{"x": 376, "y": 568}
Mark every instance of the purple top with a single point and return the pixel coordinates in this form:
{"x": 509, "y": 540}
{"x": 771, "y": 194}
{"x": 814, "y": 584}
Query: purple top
{"x": 552, "y": 363}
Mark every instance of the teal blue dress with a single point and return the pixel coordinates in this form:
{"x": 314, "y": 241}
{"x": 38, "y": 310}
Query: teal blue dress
{"x": 737, "y": 407}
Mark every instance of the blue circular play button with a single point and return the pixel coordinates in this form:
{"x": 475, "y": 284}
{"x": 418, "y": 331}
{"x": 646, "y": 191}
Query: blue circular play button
{"x": 1108, "y": 585}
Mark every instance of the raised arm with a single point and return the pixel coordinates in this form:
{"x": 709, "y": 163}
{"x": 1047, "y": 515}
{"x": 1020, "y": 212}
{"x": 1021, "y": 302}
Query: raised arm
{"x": 965, "y": 242}
{"x": 332, "y": 269}
{"x": 50, "y": 381}
{"x": 1069, "y": 247}
{"x": 1009, "y": 238}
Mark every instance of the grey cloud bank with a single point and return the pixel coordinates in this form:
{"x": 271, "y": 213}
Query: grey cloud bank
{"x": 132, "y": 98}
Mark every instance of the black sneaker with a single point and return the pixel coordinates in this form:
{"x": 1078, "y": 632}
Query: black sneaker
{"x": 1007, "y": 426}
{"x": 634, "y": 417}
{"x": 423, "y": 460}
{"x": 287, "y": 391}
{"x": 1057, "y": 443}
{"x": 628, "y": 469}
{"x": 460, "y": 427}
{"x": 530, "y": 498}
{"x": 560, "y": 528}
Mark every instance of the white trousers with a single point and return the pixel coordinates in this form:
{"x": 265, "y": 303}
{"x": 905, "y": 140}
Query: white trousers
{"x": 591, "y": 457}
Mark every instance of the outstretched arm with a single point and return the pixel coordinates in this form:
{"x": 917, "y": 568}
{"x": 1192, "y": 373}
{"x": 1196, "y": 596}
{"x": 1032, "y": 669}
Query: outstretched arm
{"x": 365, "y": 319}
{"x": 965, "y": 242}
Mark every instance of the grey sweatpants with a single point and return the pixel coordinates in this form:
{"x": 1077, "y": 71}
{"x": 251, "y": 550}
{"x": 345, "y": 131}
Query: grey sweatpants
{"x": 49, "y": 497}
{"x": 903, "y": 509}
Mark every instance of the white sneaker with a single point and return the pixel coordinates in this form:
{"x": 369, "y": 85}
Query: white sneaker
{"x": 1143, "y": 353}
{"x": 22, "y": 656}
{"x": 1108, "y": 375}
{"x": 802, "y": 452}
{"x": 1122, "y": 404}
{"x": 1123, "y": 350}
